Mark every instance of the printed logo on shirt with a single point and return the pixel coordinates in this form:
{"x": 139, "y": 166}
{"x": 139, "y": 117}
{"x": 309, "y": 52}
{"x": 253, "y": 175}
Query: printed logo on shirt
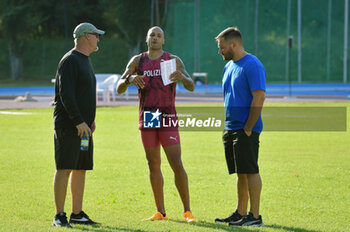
{"x": 152, "y": 73}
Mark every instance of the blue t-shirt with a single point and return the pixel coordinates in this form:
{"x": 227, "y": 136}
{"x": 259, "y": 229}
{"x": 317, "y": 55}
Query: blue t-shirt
{"x": 239, "y": 80}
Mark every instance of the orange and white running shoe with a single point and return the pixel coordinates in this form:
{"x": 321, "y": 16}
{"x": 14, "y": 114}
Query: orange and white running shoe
{"x": 189, "y": 217}
{"x": 157, "y": 216}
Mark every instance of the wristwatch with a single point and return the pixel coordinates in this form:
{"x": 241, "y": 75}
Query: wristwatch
{"x": 127, "y": 80}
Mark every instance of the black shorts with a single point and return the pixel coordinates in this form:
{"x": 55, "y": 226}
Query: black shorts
{"x": 241, "y": 151}
{"x": 67, "y": 150}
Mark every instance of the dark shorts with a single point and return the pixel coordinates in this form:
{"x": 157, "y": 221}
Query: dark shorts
{"x": 67, "y": 151}
{"x": 241, "y": 151}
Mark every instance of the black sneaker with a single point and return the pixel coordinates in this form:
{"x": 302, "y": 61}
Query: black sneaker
{"x": 81, "y": 218}
{"x": 234, "y": 218}
{"x": 249, "y": 220}
{"x": 60, "y": 220}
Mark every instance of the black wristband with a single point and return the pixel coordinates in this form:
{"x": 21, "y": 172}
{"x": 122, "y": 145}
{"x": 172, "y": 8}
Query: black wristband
{"x": 127, "y": 80}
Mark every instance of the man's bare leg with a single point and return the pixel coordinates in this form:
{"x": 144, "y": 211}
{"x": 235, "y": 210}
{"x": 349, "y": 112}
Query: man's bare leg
{"x": 60, "y": 188}
{"x": 242, "y": 193}
{"x": 77, "y": 188}
{"x": 156, "y": 177}
{"x": 173, "y": 154}
{"x": 254, "y": 186}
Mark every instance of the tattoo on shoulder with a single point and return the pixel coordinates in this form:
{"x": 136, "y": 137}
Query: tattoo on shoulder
{"x": 175, "y": 57}
{"x": 179, "y": 63}
{"x": 135, "y": 60}
{"x": 132, "y": 66}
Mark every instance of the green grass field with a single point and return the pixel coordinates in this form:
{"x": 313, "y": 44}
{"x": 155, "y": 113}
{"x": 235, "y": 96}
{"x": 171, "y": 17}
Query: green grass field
{"x": 306, "y": 177}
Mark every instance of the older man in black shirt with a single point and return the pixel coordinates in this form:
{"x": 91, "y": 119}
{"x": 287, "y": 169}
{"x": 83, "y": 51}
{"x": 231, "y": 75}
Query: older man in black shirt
{"x": 74, "y": 119}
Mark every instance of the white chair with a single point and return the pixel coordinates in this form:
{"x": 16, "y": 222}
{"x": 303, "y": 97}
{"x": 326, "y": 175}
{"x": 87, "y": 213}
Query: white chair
{"x": 106, "y": 85}
{"x": 114, "y": 88}
{"x": 126, "y": 93}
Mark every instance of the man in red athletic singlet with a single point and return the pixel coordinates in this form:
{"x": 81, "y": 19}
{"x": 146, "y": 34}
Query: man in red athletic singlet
{"x": 143, "y": 71}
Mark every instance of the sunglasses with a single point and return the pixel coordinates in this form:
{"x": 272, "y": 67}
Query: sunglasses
{"x": 95, "y": 34}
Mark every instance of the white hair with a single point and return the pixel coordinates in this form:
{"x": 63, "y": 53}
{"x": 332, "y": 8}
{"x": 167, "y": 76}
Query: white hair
{"x": 76, "y": 40}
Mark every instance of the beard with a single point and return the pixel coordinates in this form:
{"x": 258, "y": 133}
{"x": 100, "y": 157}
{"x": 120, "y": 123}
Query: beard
{"x": 228, "y": 56}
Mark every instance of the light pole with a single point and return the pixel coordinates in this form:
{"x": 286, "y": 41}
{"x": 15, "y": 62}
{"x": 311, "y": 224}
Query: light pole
{"x": 290, "y": 45}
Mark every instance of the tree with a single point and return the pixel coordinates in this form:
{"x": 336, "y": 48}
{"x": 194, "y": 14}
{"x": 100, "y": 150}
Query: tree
{"x": 19, "y": 20}
{"x": 131, "y": 19}
{"x": 23, "y": 20}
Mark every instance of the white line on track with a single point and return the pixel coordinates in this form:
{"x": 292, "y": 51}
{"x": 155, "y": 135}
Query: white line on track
{"x": 15, "y": 113}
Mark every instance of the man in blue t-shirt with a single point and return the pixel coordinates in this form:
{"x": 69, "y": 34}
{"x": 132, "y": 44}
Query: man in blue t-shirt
{"x": 243, "y": 84}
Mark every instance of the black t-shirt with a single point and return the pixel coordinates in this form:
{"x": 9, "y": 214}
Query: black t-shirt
{"x": 75, "y": 91}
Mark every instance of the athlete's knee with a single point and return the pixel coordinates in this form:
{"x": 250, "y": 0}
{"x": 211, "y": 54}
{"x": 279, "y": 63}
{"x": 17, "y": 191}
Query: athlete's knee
{"x": 176, "y": 165}
{"x": 253, "y": 176}
{"x": 79, "y": 172}
{"x": 241, "y": 176}
{"x": 63, "y": 172}
{"x": 154, "y": 164}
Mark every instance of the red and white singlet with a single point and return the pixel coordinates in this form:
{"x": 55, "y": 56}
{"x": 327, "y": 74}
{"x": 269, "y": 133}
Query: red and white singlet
{"x": 155, "y": 95}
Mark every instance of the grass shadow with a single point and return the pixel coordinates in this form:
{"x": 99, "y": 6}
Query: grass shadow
{"x": 289, "y": 228}
{"x": 225, "y": 227}
{"x": 211, "y": 225}
{"x": 103, "y": 228}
